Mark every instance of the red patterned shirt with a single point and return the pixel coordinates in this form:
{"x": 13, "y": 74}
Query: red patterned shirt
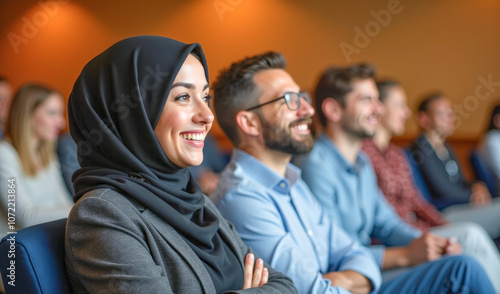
{"x": 396, "y": 182}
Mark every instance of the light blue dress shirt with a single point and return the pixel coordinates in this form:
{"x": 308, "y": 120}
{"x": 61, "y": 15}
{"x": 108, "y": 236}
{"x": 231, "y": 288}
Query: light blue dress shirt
{"x": 282, "y": 221}
{"x": 351, "y": 196}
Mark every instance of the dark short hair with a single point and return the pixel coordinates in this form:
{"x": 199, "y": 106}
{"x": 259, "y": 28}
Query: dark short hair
{"x": 235, "y": 89}
{"x": 336, "y": 82}
{"x": 384, "y": 86}
{"x": 428, "y": 99}
{"x": 3, "y": 79}
{"x": 495, "y": 112}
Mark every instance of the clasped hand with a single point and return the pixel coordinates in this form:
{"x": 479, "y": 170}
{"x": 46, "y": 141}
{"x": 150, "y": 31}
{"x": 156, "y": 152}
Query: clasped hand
{"x": 254, "y": 277}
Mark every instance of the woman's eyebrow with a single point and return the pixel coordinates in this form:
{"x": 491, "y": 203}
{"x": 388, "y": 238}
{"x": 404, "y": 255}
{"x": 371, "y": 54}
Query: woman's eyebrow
{"x": 188, "y": 85}
{"x": 182, "y": 84}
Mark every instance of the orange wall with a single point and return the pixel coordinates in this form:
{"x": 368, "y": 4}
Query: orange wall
{"x": 427, "y": 45}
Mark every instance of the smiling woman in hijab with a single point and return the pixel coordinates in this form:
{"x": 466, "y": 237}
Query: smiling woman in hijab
{"x": 139, "y": 113}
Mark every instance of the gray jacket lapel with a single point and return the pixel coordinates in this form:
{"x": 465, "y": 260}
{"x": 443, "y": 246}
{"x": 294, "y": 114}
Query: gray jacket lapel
{"x": 228, "y": 234}
{"x": 175, "y": 240}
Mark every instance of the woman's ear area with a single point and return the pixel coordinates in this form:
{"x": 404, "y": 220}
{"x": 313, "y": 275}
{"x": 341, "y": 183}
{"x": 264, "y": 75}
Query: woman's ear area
{"x": 248, "y": 122}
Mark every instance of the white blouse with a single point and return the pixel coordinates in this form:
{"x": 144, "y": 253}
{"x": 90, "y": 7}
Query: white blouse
{"x": 38, "y": 199}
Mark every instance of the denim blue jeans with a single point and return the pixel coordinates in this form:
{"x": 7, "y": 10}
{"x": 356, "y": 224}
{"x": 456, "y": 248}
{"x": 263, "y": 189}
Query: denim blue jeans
{"x": 451, "y": 274}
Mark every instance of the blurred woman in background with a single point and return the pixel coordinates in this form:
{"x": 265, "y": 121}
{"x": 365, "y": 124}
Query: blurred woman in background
{"x": 29, "y": 161}
{"x": 395, "y": 179}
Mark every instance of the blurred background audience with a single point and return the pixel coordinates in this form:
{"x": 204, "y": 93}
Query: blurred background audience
{"x": 390, "y": 162}
{"x": 28, "y": 155}
{"x": 395, "y": 177}
{"x": 458, "y": 198}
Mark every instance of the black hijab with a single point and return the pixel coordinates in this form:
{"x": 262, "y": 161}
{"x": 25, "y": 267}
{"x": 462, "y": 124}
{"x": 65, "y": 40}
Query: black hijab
{"x": 113, "y": 109}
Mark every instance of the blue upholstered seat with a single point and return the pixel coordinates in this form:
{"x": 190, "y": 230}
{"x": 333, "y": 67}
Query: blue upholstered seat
{"x": 39, "y": 259}
{"x": 483, "y": 172}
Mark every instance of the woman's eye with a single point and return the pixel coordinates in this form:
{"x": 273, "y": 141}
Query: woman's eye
{"x": 208, "y": 98}
{"x": 182, "y": 97}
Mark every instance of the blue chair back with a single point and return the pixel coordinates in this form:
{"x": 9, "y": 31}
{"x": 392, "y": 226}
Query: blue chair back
{"x": 483, "y": 172}
{"x": 39, "y": 260}
{"x": 417, "y": 176}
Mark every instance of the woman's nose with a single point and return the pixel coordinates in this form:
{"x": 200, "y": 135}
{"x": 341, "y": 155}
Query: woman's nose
{"x": 203, "y": 114}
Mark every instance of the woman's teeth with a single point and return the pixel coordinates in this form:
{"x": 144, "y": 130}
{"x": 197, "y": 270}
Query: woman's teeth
{"x": 196, "y": 137}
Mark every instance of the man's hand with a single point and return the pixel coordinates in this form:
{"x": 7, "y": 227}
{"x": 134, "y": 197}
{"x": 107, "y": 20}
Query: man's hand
{"x": 426, "y": 248}
{"x": 351, "y": 281}
{"x": 452, "y": 247}
{"x": 480, "y": 194}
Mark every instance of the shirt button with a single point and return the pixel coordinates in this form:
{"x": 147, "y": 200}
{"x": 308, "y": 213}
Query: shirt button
{"x": 310, "y": 233}
{"x": 282, "y": 185}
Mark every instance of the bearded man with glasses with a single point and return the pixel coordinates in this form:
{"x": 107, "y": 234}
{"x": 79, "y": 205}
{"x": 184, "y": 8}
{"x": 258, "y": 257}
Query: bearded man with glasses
{"x": 267, "y": 118}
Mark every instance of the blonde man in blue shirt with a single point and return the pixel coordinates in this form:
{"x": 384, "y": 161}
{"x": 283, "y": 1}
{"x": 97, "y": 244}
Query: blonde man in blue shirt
{"x": 262, "y": 110}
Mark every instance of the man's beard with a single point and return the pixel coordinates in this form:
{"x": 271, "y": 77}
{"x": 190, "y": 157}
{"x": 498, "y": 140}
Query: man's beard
{"x": 280, "y": 138}
{"x": 360, "y": 133}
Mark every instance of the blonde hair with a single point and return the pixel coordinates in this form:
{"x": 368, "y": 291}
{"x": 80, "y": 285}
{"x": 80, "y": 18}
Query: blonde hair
{"x": 18, "y": 127}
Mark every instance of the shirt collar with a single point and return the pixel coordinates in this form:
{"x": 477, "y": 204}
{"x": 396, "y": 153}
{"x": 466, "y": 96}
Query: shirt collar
{"x": 264, "y": 175}
{"x": 341, "y": 161}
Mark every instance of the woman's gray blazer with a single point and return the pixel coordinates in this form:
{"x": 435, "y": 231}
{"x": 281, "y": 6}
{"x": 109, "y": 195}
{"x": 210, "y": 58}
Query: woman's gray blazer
{"x": 115, "y": 245}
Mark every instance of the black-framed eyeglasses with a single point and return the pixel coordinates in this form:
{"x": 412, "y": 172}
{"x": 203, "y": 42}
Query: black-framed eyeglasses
{"x": 292, "y": 100}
